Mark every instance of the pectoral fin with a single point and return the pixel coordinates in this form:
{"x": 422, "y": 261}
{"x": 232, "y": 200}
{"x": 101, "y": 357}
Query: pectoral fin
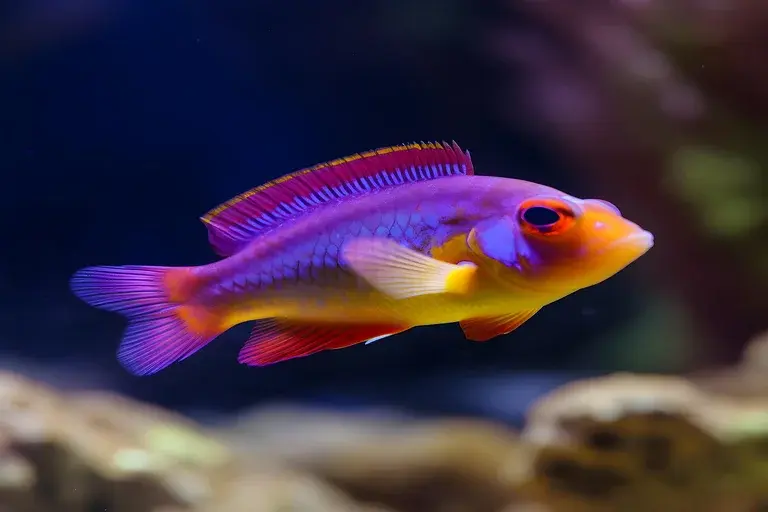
{"x": 485, "y": 328}
{"x": 401, "y": 272}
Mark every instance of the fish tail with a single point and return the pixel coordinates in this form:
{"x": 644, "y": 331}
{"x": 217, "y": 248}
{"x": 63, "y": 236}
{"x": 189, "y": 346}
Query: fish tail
{"x": 162, "y": 326}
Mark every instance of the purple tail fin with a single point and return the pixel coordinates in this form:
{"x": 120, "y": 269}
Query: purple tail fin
{"x": 162, "y": 329}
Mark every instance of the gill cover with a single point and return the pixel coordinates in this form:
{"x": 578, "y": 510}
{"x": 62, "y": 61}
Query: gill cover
{"x": 526, "y": 236}
{"x": 496, "y": 239}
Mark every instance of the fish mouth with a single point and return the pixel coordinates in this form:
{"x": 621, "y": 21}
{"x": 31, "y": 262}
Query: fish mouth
{"x": 641, "y": 241}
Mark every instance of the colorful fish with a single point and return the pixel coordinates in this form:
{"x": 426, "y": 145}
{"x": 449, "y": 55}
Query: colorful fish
{"x": 364, "y": 247}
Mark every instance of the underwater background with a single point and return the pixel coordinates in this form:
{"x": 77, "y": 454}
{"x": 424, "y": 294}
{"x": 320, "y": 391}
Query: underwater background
{"x": 122, "y": 122}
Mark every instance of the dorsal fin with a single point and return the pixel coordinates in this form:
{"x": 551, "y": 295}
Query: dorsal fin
{"x": 238, "y": 221}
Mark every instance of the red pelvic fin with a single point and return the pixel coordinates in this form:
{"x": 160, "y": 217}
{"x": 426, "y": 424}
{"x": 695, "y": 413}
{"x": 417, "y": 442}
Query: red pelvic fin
{"x": 485, "y": 328}
{"x": 272, "y": 341}
{"x": 238, "y": 221}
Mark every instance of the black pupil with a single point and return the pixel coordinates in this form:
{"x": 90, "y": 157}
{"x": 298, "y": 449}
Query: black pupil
{"x": 540, "y": 216}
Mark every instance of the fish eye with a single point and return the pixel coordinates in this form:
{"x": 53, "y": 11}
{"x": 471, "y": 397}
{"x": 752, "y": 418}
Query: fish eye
{"x": 544, "y": 216}
{"x": 540, "y": 216}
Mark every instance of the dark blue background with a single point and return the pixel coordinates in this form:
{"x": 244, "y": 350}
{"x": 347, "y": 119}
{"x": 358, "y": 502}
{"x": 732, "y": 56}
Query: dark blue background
{"x": 123, "y": 122}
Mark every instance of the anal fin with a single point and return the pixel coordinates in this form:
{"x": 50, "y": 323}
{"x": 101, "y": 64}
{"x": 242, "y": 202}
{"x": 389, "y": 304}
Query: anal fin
{"x": 485, "y": 328}
{"x": 276, "y": 340}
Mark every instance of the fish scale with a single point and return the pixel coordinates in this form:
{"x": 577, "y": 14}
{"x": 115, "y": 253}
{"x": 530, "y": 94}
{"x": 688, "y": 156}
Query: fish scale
{"x": 316, "y": 262}
{"x": 383, "y": 225}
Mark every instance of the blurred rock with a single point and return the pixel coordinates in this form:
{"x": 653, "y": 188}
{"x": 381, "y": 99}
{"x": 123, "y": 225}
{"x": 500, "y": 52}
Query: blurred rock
{"x": 280, "y": 491}
{"x": 631, "y": 442}
{"x": 622, "y": 442}
{"x": 412, "y": 466}
{"x": 95, "y": 451}
{"x": 749, "y": 378}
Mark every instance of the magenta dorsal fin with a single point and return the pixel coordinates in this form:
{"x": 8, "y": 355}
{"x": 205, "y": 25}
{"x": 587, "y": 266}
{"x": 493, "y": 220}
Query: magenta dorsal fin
{"x": 238, "y": 221}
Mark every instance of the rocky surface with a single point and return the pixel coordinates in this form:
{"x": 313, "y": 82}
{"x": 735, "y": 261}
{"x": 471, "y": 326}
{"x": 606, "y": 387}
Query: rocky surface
{"x": 98, "y": 452}
{"x": 621, "y": 442}
{"x": 411, "y": 466}
{"x": 629, "y": 442}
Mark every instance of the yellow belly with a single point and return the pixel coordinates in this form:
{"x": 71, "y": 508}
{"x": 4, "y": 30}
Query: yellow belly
{"x": 374, "y": 307}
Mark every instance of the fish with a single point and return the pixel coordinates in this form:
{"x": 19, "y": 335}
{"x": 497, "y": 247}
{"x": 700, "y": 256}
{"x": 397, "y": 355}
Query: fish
{"x": 364, "y": 247}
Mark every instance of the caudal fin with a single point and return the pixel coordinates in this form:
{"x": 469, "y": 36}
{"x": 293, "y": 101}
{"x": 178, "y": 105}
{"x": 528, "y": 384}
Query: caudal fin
{"x": 162, "y": 329}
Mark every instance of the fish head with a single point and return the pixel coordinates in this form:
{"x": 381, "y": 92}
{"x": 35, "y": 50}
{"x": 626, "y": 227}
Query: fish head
{"x": 557, "y": 244}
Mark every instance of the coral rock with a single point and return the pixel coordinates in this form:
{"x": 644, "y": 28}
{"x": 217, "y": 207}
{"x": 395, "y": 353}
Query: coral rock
{"x": 95, "y": 451}
{"x": 631, "y": 442}
{"x": 410, "y": 466}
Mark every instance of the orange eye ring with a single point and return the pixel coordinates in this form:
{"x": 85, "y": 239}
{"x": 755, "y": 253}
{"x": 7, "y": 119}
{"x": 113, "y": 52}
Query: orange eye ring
{"x": 545, "y": 217}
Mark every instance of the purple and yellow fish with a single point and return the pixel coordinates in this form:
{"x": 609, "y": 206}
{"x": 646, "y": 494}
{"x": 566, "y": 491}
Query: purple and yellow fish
{"x": 364, "y": 247}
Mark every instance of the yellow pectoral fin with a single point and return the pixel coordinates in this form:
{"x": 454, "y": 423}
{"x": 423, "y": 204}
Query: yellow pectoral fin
{"x": 483, "y": 329}
{"x": 401, "y": 272}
